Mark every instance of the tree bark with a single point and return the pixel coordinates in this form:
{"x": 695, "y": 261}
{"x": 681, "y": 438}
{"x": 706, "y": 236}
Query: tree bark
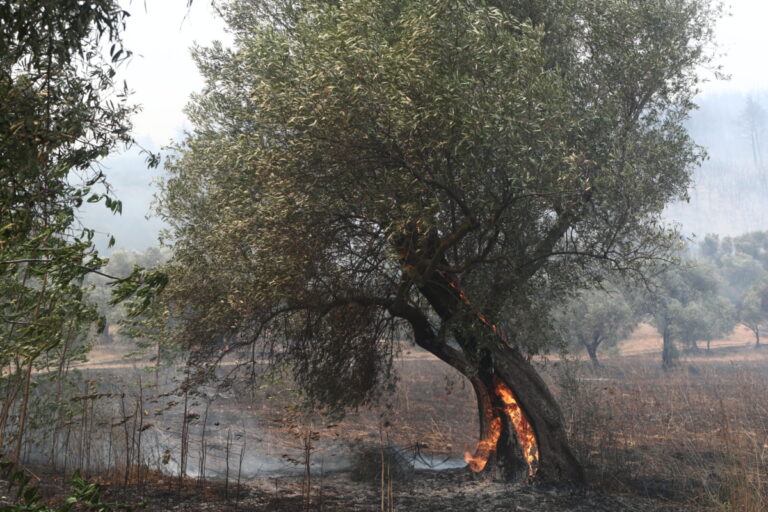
{"x": 505, "y": 364}
{"x": 668, "y": 350}
{"x": 501, "y": 464}
{"x": 503, "y": 378}
{"x": 488, "y": 360}
{"x": 592, "y": 352}
{"x": 556, "y": 459}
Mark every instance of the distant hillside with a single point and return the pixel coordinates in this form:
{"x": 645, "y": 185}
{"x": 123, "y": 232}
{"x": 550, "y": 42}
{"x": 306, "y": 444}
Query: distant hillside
{"x": 730, "y": 195}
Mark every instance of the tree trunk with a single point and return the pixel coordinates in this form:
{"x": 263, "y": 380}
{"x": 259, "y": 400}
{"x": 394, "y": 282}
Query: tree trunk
{"x": 488, "y": 459}
{"x": 491, "y": 363}
{"x": 592, "y": 351}
{"x": 757, "y": 336}
{"x": 513, "y": 400}
{"x": 667, "y": 351}
{"x": 556, "y": 461}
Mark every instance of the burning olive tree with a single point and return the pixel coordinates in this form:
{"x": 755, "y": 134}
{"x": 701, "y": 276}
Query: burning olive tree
{"x": 363, "y": 168}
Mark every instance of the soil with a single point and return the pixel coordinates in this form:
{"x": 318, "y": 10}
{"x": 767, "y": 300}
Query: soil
{"x": 455, "y": 490}
{"x": 451, "y": 491}
{"x": 651, "y": 441}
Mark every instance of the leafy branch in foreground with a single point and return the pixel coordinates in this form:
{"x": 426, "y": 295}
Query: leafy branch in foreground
{"x": 84, "y": 495}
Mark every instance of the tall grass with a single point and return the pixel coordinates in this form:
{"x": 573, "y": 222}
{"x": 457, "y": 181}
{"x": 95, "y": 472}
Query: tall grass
{"x": 697, "y": 435}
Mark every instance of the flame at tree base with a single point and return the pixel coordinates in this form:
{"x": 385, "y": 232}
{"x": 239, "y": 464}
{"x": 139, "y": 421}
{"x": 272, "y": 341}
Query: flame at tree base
{"x": 485, "y": 447}
{"x": 525, "y": 435}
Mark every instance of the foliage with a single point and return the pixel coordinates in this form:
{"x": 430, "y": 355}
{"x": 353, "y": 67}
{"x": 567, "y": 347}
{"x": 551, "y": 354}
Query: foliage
{"x": 742, "y": 263}
{"x": 686, "y": 307}
{"x": 365, "y": 168}
{"x": 596, "y": 318}
{"x": 60, "y": 113}
{"x": 120, "y": 263}
{"x": 705, "y": 319}
{"x": 84, "y": 495}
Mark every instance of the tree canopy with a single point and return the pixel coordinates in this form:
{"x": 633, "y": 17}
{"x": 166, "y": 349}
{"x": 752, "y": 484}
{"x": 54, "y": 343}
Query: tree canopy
{"x": 364, "y": 168}
{"x": 596, "y": 318}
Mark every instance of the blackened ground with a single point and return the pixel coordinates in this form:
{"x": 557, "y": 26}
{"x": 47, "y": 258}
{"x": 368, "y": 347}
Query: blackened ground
{"x": 423, "y": 491}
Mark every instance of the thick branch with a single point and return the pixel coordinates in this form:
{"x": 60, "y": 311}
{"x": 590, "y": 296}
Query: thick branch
{"x": 426, "y": 338}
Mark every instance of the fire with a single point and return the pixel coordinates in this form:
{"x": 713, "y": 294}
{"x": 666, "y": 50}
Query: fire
{"x": 485, "y": 447}
{"x": 524, "y": 430}
{"x": 525, "y": 435}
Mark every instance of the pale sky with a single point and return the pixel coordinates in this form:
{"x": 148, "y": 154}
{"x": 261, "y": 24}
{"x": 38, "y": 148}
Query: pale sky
{"x": 743, "y": 39}
{"x": 162, "y": 76}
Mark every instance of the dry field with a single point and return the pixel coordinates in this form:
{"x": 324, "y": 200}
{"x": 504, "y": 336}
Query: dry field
{"x": 694, "y": 438}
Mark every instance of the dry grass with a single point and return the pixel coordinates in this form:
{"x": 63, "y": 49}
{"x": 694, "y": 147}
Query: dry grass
{"x": 696, "y": 435}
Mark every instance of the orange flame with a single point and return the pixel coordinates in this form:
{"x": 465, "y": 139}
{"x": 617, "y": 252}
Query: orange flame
{"x": 525, "y": 435}
{"x": 485, "y": 447}
{"x": 523, "y": 428}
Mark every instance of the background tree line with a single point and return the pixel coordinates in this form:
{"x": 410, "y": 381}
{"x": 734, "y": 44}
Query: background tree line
{"x": 717, "y": 285}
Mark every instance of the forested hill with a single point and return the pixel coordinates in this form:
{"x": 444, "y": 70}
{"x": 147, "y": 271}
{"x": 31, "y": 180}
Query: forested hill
{"x": 730, "y": 195}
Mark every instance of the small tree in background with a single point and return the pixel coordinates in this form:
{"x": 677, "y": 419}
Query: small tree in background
{"x": 754, "y": 311}
{"x": 707, "y": 317}
{"x": 742, "y": 264}
{"x": 753, "y": 122}
{"x": 596, "y": 318}
{"x": 683, "y": 305}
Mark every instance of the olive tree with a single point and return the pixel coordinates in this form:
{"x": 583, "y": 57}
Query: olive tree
{"x": 363, "y": 168}
{"x": 685, "y": 306}
{"x": 595, "y": 318}
{"x": 754, "y": 308}
{"x": 709, "y": 317}
{"x": 741, "y": 262}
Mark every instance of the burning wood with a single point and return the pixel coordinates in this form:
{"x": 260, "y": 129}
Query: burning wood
{"x": 525, "y": 435}
{"x": 485, "y": 447}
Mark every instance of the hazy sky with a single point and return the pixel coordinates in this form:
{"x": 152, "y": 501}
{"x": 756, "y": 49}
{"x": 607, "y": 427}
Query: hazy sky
{"x": 743, "y": 38}
{"x": 163, "y": 75}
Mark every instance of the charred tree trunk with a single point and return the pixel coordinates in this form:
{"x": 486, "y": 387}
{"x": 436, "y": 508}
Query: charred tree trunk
{"x": 556, "y": 460}
{"x": 490, "y": 362}
{"x": 505, "y": 459}
{"x": 499, "y": 453}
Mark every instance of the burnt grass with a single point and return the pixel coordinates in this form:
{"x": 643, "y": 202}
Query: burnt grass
{"x": 694, "y": 438}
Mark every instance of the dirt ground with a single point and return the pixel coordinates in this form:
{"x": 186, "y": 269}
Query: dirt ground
{"x": 693, "y": 439}
{"x": 421, "y": 491}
